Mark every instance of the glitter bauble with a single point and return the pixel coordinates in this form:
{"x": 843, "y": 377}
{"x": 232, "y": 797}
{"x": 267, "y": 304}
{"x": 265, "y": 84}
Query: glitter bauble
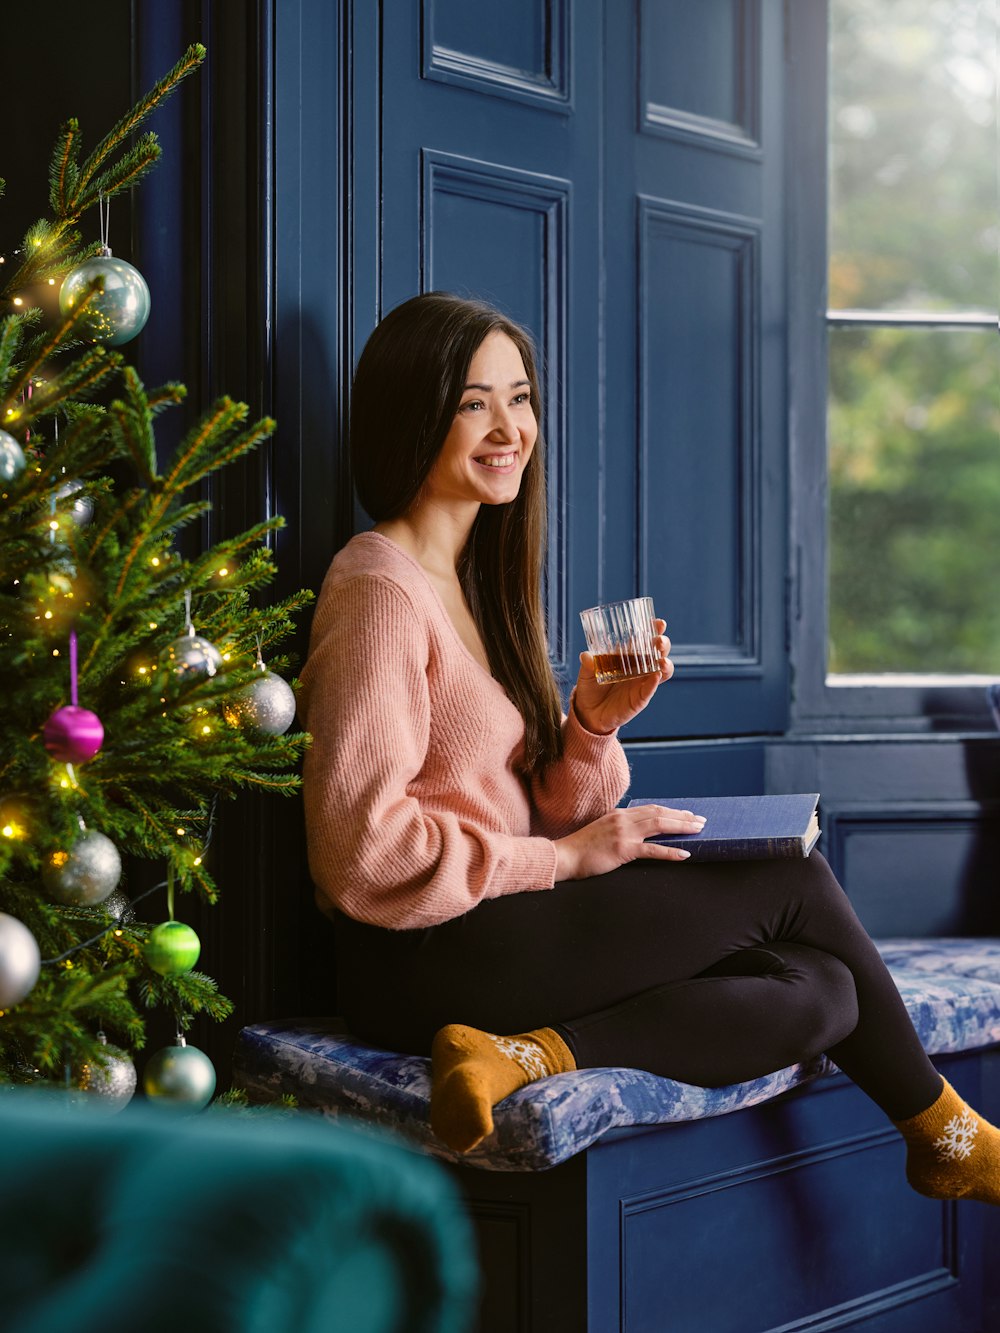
{"x": 265, "y": 706}
{"x": 86, "y": 874}
{"x": 171, "y": 948}
{"x": 116, "y": 314}
{"x": 73, "y": 735}
{"x": 180, "y": 1076}
{"x": 192, "y": 658}
{"x": 20, "y": 961}
{"x": 111, "y": 1081}
{"x": 118, "y": 906}
{"x": 12, "y": 459}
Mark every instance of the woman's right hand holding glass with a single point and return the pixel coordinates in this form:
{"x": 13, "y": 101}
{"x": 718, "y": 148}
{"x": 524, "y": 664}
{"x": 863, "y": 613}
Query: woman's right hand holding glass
{"x": 619, "y": 837}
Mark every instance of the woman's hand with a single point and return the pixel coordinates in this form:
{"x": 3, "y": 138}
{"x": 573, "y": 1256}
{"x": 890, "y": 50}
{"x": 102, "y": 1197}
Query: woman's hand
{"x": 619, "y": 837}
{"x": 603, "y": 708}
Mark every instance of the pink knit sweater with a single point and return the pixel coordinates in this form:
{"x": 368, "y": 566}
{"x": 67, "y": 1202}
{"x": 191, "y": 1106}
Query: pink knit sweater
{"x": 415, "y": 811}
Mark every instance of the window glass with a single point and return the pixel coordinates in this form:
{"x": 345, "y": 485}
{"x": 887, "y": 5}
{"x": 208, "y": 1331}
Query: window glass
{"x": 914, "y": 500}
{"x": 913, "y": 155}
{"x": 914, "y": 388}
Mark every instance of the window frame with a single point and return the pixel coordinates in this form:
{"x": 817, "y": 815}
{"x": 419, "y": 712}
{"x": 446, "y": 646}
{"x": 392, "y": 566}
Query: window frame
{"x": 839, "y": 704}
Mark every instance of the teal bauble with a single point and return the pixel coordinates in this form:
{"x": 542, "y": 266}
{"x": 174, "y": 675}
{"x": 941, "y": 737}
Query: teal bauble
{"x": 116, "y": 314}
{"x": 180, "y": 1076}
{"x": 171, "y": 948}
{"x": 12, "y": 459}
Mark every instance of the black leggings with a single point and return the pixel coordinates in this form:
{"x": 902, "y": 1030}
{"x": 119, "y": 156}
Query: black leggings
{"x": 709, "y": 973}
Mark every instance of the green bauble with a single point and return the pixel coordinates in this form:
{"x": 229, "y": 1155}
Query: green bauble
{"x": 171, "y": 948}
{"x": 118, "y": 312}
{"x": 180, "y": 1076}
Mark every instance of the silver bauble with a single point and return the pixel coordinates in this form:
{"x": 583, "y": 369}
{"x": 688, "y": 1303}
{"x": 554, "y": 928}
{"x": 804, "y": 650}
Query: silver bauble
{"x": 192, "y": 658}
{"x": 86, "y": 874}
{"x": 12, "y": 459}
{"x": 265, "y": 706}
{"x": 180, "y": 1076}
{"x": 81, "y": 511}
{"x": 110, "y": 1082}
{"x": 20, "y": 961}
{"x": 116, "y": 314}
{"x": 118, "y": 905}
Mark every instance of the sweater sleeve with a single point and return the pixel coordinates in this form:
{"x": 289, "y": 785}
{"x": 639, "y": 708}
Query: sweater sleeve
{"x": 374, "y": 851}
{"x": 589, "y": 780}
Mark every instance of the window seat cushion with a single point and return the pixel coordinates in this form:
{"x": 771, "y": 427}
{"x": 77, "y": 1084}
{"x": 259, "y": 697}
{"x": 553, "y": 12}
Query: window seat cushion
{"x": 951, "y": 988}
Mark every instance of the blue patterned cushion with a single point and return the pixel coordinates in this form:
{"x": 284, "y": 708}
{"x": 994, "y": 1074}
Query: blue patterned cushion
{"x": 946, "y": 985}
{"x": 945, "y": 957}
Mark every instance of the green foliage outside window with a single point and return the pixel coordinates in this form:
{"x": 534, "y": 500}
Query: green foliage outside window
{"x": 914, "y": 422}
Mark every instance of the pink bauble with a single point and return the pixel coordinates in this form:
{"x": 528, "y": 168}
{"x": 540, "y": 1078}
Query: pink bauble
{"x": 73, "y": 735}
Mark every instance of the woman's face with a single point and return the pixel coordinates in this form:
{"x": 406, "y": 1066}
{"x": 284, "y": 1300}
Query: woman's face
{"x": 491, "y": 438}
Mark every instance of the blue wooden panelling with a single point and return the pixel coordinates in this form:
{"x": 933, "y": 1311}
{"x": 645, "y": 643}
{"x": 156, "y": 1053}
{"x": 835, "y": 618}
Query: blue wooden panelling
{"x": 787, "y": 1218}
{"x": 475, "y": 216}
{"x": 518, "y": 50}
{"x": 728, "y": 767}
{"x": 700, "y": 75}
{"x": 699, "y": 314}
{"x": 751, "y": 1215}
{"x": 929, "y": 870}
{"x": 695, "y": 362}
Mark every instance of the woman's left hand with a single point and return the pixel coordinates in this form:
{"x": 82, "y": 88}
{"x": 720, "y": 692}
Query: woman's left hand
{"x": 603, "y": 708}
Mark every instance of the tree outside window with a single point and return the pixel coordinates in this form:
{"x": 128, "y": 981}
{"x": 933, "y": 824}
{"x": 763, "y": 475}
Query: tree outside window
{"x": 914, "y": 356}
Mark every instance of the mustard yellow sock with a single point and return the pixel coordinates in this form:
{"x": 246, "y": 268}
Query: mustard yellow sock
{"x": 953, "y": 1153}
{"x": 472, "y": 1070}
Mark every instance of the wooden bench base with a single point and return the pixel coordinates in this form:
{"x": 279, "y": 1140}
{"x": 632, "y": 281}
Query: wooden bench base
{"x": 791, "y": 1216}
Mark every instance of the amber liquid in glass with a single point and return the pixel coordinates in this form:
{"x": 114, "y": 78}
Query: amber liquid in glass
{"x": 620, "y": 666}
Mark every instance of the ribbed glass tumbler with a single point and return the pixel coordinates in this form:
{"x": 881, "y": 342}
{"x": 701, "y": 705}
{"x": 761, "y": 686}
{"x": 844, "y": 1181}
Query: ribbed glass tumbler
{"x": 620, "y": 636}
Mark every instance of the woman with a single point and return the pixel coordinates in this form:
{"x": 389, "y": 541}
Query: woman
{"x": 492, "y": 905}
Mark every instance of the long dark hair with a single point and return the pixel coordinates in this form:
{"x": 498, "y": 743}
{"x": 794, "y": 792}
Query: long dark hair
{"x": 407, "y": 389}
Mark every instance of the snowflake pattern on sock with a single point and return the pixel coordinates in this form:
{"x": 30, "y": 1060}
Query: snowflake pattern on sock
{"x": 958, "y": 1139}
{"x": 523, "y": 1053}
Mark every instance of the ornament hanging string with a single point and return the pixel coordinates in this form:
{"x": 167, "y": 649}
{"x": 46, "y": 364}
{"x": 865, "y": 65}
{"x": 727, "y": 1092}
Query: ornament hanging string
{"x": 73, "y": 694}
{"x": 72, "y": 668}
{"x": 188, "y": 623}
{"x": 104, "y": 221}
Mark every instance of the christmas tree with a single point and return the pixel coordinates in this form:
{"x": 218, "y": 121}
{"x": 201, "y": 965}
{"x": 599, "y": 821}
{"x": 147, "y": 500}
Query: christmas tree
{"x": 135, "y": 692}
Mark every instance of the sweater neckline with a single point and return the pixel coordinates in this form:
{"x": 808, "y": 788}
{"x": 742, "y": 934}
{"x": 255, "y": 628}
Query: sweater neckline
{"x": 435, "y": 595}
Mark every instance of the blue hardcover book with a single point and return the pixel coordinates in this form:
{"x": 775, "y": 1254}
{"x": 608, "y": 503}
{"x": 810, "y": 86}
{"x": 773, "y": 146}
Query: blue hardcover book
{"x": 744, "y": 828}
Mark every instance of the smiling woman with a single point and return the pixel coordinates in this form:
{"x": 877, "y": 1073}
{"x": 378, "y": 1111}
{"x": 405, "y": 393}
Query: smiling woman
{"x": 490, "y": 441}
{"x": 492, "y": 906}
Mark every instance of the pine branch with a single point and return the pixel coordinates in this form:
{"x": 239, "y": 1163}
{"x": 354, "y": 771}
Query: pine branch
{"x": 56, "y": 341}
{"x": 85, "y": 193}
{"x": 64, "y": 171}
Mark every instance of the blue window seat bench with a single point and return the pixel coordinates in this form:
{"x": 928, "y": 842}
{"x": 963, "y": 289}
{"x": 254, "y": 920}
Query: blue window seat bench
{"x": 611, "y": 1199}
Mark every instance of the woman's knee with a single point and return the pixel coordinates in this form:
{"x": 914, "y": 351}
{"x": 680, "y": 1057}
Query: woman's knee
{"x": 827, "y": 994}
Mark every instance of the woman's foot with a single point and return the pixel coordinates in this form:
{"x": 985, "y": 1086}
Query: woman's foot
{"x": 953, "y": 1153}
{"x": 472, "y": 1070}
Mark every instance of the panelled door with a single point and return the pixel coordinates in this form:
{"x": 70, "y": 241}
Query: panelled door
{"x": 610, "y": 174}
